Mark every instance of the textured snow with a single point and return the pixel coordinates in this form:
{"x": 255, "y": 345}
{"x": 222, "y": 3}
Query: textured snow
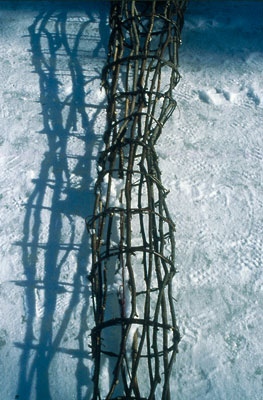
{"x": 52, "y": 114}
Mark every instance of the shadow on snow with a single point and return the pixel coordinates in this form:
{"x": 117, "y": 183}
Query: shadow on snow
{"x": 64, "y": 120}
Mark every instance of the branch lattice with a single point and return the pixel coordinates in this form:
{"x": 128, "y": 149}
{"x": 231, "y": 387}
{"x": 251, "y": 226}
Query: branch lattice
{"x": 133, "y": 250}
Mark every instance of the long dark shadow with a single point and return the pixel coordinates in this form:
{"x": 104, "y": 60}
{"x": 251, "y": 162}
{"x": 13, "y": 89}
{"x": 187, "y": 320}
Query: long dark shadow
{"x": 55, "y": 252}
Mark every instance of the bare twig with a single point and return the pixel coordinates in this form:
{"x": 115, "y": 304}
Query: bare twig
{"x": 133, "y": 248}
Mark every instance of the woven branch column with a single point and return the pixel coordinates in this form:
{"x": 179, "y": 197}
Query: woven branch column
{"x": 135, "y": 336}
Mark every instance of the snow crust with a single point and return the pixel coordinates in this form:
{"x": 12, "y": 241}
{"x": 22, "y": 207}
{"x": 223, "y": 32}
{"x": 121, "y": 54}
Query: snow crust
{"x": 52, "y": 113}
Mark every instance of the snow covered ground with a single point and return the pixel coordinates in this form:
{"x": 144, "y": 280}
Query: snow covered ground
{"x": 211, "y": 153}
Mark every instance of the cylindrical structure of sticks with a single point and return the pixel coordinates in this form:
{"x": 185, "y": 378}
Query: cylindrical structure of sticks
{"x": 135, "y": 336}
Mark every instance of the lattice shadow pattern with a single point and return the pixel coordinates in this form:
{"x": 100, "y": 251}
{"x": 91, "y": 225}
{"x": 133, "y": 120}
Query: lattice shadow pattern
{"x": 135, "y": 334}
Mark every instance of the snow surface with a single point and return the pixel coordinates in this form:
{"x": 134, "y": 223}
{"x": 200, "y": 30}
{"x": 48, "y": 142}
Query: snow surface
{"x": 52, "y": 115}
